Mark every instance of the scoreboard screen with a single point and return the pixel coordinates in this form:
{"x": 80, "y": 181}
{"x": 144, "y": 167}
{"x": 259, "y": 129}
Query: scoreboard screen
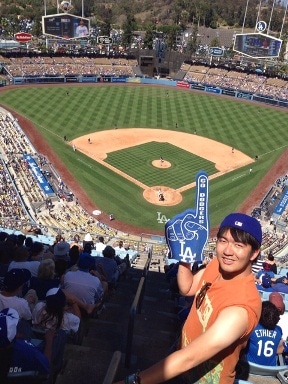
{"x": 257, "y": 45}
{"x": 65, "y": 26}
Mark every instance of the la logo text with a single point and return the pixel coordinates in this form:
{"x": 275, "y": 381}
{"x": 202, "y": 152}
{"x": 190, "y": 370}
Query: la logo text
{"x": 162, "y": 219}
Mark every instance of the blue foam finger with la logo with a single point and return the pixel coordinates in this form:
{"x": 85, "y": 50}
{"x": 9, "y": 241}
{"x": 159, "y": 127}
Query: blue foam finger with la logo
{"x": 187, "y": 233}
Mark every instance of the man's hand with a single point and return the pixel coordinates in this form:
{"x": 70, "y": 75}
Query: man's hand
{"x": 187, "y": 233}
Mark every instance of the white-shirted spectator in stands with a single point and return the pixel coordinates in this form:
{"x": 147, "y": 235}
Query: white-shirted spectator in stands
{"x": 10, "y": 296}
{"x": 111, "y": 264}
{"x": 83, "y": 284}
{"x": 59, "y": 311}
{"x": 119, "y": 247}
{"x": 100, "y": 244}
{"x": 21, "y": 260}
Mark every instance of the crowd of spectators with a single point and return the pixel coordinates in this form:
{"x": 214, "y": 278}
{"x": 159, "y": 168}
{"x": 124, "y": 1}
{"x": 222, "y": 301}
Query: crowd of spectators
{"x": 277, "y": 191}
{"x": 236, "y": 80}
{"x": 63, "y": 66}
{"x": 53, "y": 287}
{"x": 106, "y": 66}
{"x": 23, "y": 201}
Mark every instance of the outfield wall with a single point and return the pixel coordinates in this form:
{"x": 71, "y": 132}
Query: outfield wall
{"x": 137, "y": 80}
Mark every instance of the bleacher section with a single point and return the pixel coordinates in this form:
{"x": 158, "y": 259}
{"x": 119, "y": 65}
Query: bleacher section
{"x": 44, "y": 66}
{"x": 100, "y": 67}
{"x": 236, "y": 80}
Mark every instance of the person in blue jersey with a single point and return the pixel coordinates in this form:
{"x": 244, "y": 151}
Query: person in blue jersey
{"x": 266, "y": 340}
{"x": 18, "y": 354}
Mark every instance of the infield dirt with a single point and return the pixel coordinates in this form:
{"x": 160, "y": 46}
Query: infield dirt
{"x": 97, "y": 147}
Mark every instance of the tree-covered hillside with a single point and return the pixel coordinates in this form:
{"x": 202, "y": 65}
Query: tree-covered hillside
{"x": 147, "y": 14}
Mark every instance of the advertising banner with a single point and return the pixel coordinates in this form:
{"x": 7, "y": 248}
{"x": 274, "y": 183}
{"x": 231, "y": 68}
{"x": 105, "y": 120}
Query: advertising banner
{"x": 38, "y": 175}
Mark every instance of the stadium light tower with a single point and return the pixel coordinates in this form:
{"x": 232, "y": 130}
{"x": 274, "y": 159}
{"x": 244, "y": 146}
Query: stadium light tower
{"x": 244, "y": 20}
{"x": 268, "y": 29}
{"x": 284, "y": 18}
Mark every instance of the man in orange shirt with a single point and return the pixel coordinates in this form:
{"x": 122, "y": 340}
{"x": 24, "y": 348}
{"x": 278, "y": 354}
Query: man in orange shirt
{"x": 227, "y": 305}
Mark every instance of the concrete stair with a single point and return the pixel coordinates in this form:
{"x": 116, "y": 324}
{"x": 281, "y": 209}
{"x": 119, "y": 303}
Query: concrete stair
{"x": 155, "y": 329}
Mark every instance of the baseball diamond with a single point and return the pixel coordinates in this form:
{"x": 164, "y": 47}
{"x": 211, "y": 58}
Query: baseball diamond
{"x": 123, "y": 124}
{"x": 200, "y": 146}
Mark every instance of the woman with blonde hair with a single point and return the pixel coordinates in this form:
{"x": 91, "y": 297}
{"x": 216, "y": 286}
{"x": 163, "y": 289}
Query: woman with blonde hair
{"x": 45, "y": 279}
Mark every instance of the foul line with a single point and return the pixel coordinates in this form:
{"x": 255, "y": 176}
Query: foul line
{"x": 239, "y": 177}
{"x": 273, "y": 150}
{"x": 83, "y": 162}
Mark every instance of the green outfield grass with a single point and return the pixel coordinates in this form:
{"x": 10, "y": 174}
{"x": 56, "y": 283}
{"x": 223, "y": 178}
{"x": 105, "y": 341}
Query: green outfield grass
{"x": 251, "y": 128}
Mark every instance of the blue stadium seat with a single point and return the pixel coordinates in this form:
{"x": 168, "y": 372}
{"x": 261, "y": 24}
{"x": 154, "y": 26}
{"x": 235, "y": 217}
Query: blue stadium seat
{"x": 265, "y": 295}
{"x": 263, "y": 370}
{"x": 283, "y": 376}
{"x": 245, "y": 368}
{"x": 282, "y": 272}
{"x": 286, "y": 301}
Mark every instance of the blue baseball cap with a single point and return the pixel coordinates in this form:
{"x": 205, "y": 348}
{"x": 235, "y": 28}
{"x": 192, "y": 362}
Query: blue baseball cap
{"x": 85, "y": 261}
{"x": 265, "y": 281}
{"x": 55, "y": 298}
{"x": 8, "y": 326}
{"x": 16, "y": 277}
{"x": 244, "y": 222}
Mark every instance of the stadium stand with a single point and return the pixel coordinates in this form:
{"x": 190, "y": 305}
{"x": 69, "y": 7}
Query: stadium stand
{"x": 258, "y": 84}
{"x": 69, "y": 66}
{"x": 25, "y": 209}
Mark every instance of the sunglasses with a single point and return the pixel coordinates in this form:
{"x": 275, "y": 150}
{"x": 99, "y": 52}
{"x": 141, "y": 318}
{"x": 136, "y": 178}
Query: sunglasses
{"x": 201, "y": 295}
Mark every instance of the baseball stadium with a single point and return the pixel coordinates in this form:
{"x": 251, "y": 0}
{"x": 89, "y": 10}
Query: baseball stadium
{"x": 92, "y": 152}
{"x": 111, "y": 149}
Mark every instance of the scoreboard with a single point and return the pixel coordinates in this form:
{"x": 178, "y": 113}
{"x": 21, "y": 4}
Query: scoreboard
{"x": 65, "y": 26}
{"x": 257, "y": 45}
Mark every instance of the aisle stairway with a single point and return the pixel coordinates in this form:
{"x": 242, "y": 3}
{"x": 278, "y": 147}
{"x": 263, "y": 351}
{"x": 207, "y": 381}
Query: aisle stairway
{"x": 154, "y": 330}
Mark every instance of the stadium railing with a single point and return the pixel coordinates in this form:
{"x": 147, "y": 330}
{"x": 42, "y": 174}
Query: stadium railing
{"x": 135, "y": 309}
{"x": 113, "y": 368}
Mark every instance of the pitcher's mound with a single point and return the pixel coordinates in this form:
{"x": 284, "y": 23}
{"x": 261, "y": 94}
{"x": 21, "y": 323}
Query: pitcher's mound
{"x": 161, "y": 164}
{"x": 160, "y": 195}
